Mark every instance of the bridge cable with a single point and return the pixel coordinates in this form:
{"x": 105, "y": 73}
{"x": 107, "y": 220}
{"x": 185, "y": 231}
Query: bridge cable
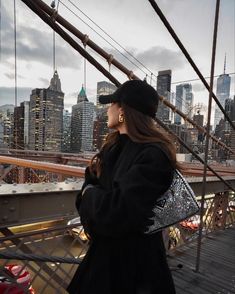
{"x": 151, "y": 76}
{"x": 123, "y": 48}
{"x": 213, "y": 55}
{"x": 84, "y": 61}
{"x": 15, "y": 50}
{"x": 33, "y": 6}
{"x": 129, "y": 73}
{"x": 15, "y": 115}
{"x": 54, "y": 66}
{"x": 187, "y": 55}
{"x": 0, "y": 31}
{"x": 198, "y": 79}
{"x": 176, "y": 82}
{"x": 105, "y": 39}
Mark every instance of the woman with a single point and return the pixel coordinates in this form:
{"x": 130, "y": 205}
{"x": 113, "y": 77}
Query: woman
{"x": 133, "y": 169}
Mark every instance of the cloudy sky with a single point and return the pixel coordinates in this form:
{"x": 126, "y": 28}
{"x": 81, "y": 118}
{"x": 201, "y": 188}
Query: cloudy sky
{"x": 131, "y": 23}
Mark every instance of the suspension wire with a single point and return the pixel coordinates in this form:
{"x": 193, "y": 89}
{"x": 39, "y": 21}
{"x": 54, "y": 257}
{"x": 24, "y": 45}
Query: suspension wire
{"x": 57, "y": 7}
{"x": 34, "y": 7}
{"x": 0, "y": 31}
{"x": 187, "y": 55}
{"x": 81, "y": 36}
{"x": 197, "y": 79}
{"x": 112, "y": 38}
{"x": 207, "y": 134}
{"x": 15, "y": 132}
{"x": 54, "y": 67}
{"x": 15, "y": 53}
{"x": 53, "y": 42}
{"x": 85, "y": 40}
{"x": 46, "y": 10}
{"x": 114, "y": 46}
{"x": 84, "y": 70}
{"x": 234, "y": 41}
{"x": 104, "y": 39}
{"x": 152, "y": 74}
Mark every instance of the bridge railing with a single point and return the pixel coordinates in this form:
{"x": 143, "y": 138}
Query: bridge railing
{"x": 37, "y": 234}
{"x": 51, "y": 250}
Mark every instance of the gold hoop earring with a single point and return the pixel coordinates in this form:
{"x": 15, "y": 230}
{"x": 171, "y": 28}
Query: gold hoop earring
{"x": 121, "y": 118}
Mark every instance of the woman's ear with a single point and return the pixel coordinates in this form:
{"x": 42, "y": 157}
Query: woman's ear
{"x": 121, "y": 110}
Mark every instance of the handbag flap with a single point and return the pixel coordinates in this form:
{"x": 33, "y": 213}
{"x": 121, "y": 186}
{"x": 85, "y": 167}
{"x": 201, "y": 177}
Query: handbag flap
{"x": 176, "y": 204}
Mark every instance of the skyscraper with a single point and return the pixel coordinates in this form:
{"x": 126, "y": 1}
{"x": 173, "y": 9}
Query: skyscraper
{"x": 21, "y": 126}
{"x": 199, "y": 120}
{"x": 100, "y": 128}
{"x": 1, "y": 134}
{"x": 7, "y": 125}
{"x": 164, "y": 89}
{"x": 46, "y": 117}
{"x": 232, "y": 156}
{"x": 230, "y": 108}
{"x": 66, "y": 142}
{"x": 229, "y": 134}
{"x": 222, "y": 93}
{"x": 184, "y": 101}
{"x": 82, "y": 124}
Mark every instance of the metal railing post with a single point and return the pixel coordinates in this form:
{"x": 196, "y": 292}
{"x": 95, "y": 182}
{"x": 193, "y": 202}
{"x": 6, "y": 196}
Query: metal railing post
{"x": 208, "y": 131}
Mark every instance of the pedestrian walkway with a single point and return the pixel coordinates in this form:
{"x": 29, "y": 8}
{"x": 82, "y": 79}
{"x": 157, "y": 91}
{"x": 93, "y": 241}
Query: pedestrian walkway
{"x": 217, "y": 265}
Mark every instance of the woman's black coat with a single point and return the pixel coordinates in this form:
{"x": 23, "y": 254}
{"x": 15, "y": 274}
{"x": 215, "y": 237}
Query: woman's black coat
{"x": 122, "y": 259}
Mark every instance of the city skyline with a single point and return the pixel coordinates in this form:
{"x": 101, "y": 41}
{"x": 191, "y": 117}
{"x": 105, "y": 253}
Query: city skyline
{"x": 181, "y": 101}
{"x": 85, "y": 128}
{"x": 156, "y": 51}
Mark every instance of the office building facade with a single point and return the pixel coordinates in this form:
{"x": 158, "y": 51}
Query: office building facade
{"x": 66, "y": 142}
{"x": 46, "y": 117}
{"x": 164, "y": 89}
{"x": 183, "y": 101}
{"x": 82, "y": 122}
{"x": 222, "y": 93}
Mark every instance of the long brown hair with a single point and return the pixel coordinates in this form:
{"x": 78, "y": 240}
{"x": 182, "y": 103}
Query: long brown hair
{"x": 142, "y": 129}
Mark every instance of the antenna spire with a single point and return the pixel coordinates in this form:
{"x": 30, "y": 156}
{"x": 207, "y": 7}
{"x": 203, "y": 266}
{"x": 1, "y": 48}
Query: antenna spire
{"x": 224, "y": 63}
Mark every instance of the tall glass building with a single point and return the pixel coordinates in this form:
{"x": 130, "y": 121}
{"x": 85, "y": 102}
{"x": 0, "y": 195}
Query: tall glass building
{"x": 184, "y": 101}
{"x": 164, "y": 89}
{"x": 222, "y": 93}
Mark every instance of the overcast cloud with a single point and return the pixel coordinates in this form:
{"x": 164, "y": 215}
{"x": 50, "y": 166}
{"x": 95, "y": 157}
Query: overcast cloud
{"x": 8, "y": 95}
{"x": 34, "y": 45}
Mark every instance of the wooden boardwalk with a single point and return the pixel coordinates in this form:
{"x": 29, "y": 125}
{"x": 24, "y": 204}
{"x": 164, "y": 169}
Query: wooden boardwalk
{"x": 217, "y": 265}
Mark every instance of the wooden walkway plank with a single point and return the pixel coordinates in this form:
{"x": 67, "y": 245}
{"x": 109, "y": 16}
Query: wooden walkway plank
{"x": 217, "y": 265}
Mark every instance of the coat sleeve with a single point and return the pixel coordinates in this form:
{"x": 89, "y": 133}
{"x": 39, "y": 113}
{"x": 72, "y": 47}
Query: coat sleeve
{"x": 127, "y": 207}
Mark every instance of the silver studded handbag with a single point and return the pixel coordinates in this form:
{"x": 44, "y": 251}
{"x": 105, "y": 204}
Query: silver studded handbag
{"x": 176, "y": 204}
